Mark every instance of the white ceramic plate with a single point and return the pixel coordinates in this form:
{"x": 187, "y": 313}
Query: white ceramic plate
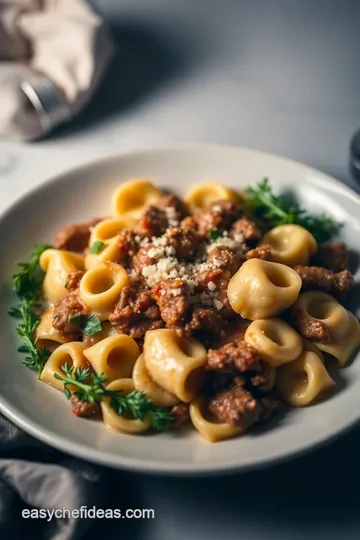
{"x": 85, "y": 192}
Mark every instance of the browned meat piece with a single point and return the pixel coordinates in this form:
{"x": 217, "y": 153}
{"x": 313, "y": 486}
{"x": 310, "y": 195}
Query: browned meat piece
{"x": 75, "y": 237}
{"x": 203, "y": 323}
{"x": 261, "y": 252}
{"x": 174, "y": 207}
{"x": 127, "y": 245}
{"x": 232, "y": 358}
{"x": 173, "y": 298}
{"x": 83, "y": 408}
{"x": 236, "y": 406}
{"x": 69, "y": 309}
{"x": 218, "y": 215}
{"x": 154, "y": 222}
{"x": 310, "y": 329}
{"x": 225, "y": 258}
{"x": 73, "y": 280}
{"x": 181, "y": 415}
{"x": 189, "y": 223}
{"x": 135, "y": 313}
{"x": 321, "y": 279}
{"x": 216, "y": 282}
{"x": 248, "y": 230}
{"x": 142, "y": 259}
{"x": 331, "y": 255}
{"x": 183, "y": 242}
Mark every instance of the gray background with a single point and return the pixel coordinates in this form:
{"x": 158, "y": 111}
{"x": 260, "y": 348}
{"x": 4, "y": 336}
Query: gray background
{"x": 278, "y": 75}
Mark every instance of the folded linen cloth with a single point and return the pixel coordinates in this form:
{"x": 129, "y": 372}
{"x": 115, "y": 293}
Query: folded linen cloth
{"x": 53, "y": 54}
{"x": 33, "y": 476}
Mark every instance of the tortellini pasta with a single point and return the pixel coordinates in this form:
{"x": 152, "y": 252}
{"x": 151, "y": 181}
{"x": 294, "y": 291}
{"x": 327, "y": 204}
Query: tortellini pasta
{"x": 343, "y": 326}
{"x": 100, "y": 287}
{"x": 110, "y": 252}
{"x": 122, "y": 423}
{"x": 48, "y": 337}
{"x": 144, "y": 383}
{"x": 107, "y": 329}
{"x": 133, "y": 196}
{"x": 262, "y": 289}
{"x": 300, "y": 382}
{"x": 57, "y": 264}
{"x": 275, "y": 341}
{"x": 175, "y": 363}
{"x": 290, "y": 244}
{"x": 113, "y": 356}
{"x": 211, "y": 429}
{"x": 201, "y": 195}
{"x": 108, "y": 229}
{"x": 72, "y": 354}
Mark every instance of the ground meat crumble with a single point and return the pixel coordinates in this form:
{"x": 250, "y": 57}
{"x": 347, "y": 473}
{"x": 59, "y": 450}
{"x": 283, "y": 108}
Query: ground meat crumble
{"x": 67, "y": 316}
{"x": 75, "y": 237}
{"x": 331, "y": 255}
{"x": 135, "y": 313}
{"x": 321, "y": 279}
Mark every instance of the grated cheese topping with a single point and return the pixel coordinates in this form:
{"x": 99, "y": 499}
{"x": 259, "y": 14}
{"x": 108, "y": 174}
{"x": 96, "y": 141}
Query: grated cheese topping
{"x": 167, "y": 266}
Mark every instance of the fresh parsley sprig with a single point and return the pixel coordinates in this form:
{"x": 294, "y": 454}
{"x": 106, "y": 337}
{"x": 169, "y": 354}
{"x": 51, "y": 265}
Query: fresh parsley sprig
{"x": 90, "y": 324}
{"x": 275, "y": 208}
{"x": 90, "y": 389}
{"x": 27, "y": 285}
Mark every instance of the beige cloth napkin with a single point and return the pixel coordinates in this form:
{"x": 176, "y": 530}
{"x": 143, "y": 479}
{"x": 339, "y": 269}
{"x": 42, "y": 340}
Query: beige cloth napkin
{"x": 61, "y": 49}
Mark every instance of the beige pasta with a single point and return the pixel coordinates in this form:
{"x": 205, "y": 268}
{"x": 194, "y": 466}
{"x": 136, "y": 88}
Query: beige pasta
{"x": 111, "y": 253}
{"x": 48, "y": 337}
{"x": 275, "y": 341}
{"x": 290, "y": 244}
{"x": 108, "y": 229}
{"x": 107, "y": 329}
{"x": 343, "y": 326}
{"x": 209, "y": 428}
{"x": 113, "y": 356}
{"x": 100, "y": 287}
{"x": 122, "y": 423}
{"x": 262, "y": 289}
{"x": 72, "y": 354}
{"x": 201, "y": 195}
{"x": 57, "y": 264}
{"x": 300, "y": 382}
{"x": 144, "y": 383}
{"x": 133, "y": 197}
{"x": 175, "y": 363}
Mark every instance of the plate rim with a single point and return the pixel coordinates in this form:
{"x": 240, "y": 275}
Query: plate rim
{"x": 80, "y": 450}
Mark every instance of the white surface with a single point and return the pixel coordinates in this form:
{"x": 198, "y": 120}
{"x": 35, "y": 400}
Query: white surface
{"x": 278, "y": 75}
{"x": 82, "y": 197}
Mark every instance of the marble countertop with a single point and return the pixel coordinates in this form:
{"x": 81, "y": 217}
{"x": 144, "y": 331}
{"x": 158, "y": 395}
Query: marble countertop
{"x": 278, "y": 75}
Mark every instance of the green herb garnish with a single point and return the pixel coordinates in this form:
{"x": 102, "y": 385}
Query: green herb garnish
{"x": 90, "y": 325}
{"x": 97, "y": 247}
{"x": 214, "y": 234}
{"x": 262, "y": 201}
{"x": 27, "y": 285}
{"x": 91, "y": 390}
